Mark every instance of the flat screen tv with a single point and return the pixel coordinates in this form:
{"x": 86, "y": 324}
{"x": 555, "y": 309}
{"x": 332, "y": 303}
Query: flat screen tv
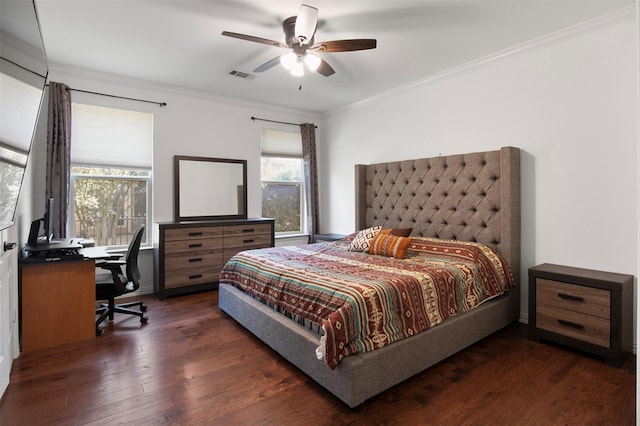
{"x": 23, "y": 74}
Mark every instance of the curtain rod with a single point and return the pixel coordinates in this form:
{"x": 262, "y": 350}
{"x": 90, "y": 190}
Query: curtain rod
{"x": 280, "y": 122}
{"x": 161, "y": 104}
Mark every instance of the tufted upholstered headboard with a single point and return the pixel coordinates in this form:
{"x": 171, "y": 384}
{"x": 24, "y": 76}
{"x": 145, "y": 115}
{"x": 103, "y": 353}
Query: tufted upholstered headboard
{"x": 468, "y": 197}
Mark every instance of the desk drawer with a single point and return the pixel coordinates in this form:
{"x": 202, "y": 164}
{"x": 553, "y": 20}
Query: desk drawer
{"x": 586, "y": 300}
{"x": 575, "y": 325}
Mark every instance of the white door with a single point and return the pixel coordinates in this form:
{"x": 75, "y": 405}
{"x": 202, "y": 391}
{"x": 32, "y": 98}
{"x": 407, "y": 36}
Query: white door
{"x": 8, "y": 306}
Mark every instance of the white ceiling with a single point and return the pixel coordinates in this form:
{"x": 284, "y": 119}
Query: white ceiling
{"x": 178, "y": 43}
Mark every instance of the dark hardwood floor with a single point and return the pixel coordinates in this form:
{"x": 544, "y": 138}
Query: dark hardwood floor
{"x": 192, "y": 364}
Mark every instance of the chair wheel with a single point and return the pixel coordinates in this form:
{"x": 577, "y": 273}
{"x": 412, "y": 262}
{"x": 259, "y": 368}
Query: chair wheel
{"x": 143, "y": 307}
{"x": 144, "y": 320}
{"x": 99, "y": 332}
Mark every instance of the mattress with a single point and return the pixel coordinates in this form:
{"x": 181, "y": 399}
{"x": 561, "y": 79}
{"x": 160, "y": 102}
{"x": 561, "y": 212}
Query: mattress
{"x": 360, "y": 302}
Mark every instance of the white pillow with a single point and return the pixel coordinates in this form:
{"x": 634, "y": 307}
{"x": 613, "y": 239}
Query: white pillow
{"x": 363, "y": 239}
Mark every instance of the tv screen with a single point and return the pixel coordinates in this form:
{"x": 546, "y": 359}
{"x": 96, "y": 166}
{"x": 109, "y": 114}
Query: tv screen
{"x": 23, "y": 73}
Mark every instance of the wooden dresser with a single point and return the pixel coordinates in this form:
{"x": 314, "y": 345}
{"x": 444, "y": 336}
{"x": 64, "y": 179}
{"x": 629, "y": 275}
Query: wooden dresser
{"x": 588, "y": 310}
{"x": 190, "y": 255}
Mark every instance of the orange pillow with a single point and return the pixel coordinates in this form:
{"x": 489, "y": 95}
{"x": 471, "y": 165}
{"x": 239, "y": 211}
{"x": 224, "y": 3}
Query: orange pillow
{"x": 400, "y": 232}
{"x": 390, "y": 246}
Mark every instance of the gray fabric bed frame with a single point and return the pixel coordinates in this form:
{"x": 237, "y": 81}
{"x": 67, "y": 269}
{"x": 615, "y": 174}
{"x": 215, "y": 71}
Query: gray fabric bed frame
{"x": 469, "y": 197}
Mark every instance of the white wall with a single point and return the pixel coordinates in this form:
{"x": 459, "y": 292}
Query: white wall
{"x": 569, "y": 102}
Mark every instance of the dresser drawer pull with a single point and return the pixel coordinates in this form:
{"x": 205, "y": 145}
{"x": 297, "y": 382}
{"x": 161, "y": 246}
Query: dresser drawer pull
{"x": 195, "y": 259}
{"x": 570, "y": 324}
{"x": 248, "y": 230}
{"x": 571, "y": 298}
{"x": 195, "y": 245}
{"x": 195, "y": 234}
{"x": 195, "y": 277}
{"x": 248, "y": 241}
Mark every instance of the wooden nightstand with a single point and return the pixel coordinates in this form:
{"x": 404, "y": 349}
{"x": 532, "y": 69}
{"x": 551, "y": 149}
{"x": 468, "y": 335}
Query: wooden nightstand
{"x": 582, "y": 308}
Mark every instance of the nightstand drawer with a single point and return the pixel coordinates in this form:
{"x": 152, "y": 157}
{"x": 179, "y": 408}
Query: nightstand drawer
{"x": 586, "y": 300}
{"x": 575, "y": 325}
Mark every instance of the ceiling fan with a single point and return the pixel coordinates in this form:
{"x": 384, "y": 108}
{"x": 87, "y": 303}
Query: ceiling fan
{"x": 299, "y": 36}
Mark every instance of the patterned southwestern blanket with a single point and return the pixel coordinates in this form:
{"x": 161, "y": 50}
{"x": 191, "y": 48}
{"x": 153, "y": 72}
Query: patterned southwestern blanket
{"x": 363, "y": 302}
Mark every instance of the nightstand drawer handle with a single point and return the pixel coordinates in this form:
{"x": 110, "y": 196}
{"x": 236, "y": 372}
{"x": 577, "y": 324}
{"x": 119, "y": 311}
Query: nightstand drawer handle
{"x": 195, "y": 245}
{"x": 195, "y": 234}
{"x": 195, "y": 259}
{"x": 248, "y": 241}
{"x": 195, "y": 277}
{"x": 570, "y": 297}
{"x": 570, "y": 324}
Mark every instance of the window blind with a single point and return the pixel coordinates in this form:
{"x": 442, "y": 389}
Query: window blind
{"x": 102, "y": 136}
{"x": 19, "y": 105}
{"x": 280, "y": 143}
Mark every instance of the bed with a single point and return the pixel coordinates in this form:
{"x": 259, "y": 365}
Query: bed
{"x": 472, "y": 198}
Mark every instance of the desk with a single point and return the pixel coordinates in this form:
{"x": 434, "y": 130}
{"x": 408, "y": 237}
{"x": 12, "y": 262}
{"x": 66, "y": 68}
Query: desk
{"x": 58, "y": 301}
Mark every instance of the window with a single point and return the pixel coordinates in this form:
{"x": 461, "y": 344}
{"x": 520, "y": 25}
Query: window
{"x": 281, "y": 176}
{"x": 110, "y": 188}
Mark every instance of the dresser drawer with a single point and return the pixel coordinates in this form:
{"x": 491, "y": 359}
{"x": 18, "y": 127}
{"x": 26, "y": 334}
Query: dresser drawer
{"x": 192, "y": 233}
{"x": 184, "y": 261}
{"x": 246, "y": 242}
{"x": 192, "y": 245}
{"x": 576, "y": 325}
{"x": 248, "y": 229}
{"x": 191, "y": 277}
{"x": 586, "y": 300}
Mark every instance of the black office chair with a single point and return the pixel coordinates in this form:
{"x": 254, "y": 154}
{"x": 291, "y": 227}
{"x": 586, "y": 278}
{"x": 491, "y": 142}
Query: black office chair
{"x": 119, "y": 284}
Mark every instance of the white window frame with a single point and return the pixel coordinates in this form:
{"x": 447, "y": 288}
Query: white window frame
{"x": 288, "y": 153}
{"x": 148, "y": 179}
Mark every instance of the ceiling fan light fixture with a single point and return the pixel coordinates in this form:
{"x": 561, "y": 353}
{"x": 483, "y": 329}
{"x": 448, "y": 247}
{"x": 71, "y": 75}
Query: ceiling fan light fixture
{"x": 298, "y": 69}
{"x": 289, "y": 60}
{"x": 312, "y": 61}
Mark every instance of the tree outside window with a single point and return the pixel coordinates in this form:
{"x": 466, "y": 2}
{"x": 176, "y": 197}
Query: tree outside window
{"x": 108, "y": 203}
{"x": 282, "y": 193}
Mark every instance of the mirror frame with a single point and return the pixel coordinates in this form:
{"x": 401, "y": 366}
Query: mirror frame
{"x": 179, "y": 160}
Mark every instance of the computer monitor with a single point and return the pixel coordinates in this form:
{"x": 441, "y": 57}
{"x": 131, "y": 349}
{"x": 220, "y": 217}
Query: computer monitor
{"x": 48, "y": 220}
{"x": 41, "y": 231}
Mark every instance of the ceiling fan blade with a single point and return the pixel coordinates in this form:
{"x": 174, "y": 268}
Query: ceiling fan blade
{"x": 268, "y": 65}
{"x": 345, "y": 45}
{"x": 306, "y": 23}
{"x": 325, "y": 69}
{"x": 255, "y": 39}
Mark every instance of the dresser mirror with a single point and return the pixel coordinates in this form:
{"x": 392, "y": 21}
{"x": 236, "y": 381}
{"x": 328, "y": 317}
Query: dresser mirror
{"x": 209, "y": 188}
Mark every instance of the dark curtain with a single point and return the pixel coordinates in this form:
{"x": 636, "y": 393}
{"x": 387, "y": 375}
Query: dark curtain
{"x": 58, "y": 154}
{"x": 308, "y": 132}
